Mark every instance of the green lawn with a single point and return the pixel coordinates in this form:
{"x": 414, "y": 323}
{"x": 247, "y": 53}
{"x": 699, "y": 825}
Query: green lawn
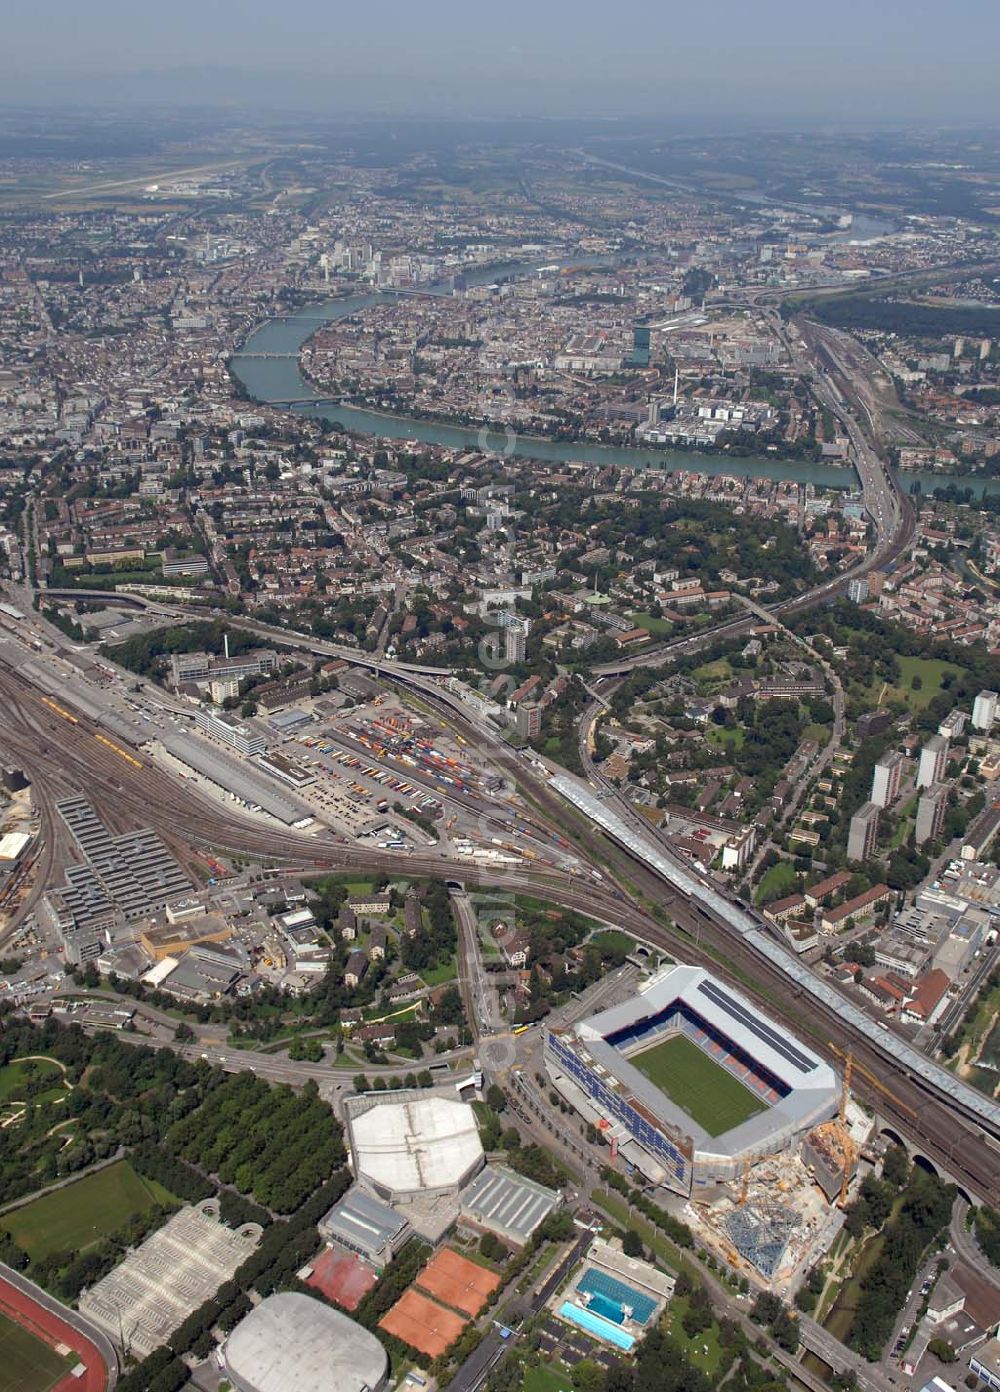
{"x": 613, "y": 940}
{"x": 13, "y": 1075}
{"x": 777, "y": 881}
{"x": 819, "y": 734}
{"x": 26, "y": 1363}
{"x": 72, "y": 1219}
{"x": 437, "y": 976}
{"x": 663, "y": 1249}
{"x": 930, "y": 670}
{"x": 658, "y": 628}
{"x": 710, "y": 1096}
{"x": 543, "y": 1377}
{"x": 733, "y": 738}
{"x": 719, "y": 670}
{"x": 703, "y": 1350}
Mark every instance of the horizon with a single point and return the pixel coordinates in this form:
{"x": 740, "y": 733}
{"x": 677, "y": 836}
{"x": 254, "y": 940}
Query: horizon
{"x": 886, "y": 66}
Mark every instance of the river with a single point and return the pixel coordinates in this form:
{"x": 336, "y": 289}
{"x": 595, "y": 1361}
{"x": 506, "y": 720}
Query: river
{"x": 278, "y": 380}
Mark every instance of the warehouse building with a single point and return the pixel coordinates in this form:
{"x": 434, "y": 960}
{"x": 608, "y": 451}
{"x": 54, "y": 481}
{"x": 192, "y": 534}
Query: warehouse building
{"x": 122, "y": 879}
{"x": 506, "y": 1204}
{"x": 235, "y": 779}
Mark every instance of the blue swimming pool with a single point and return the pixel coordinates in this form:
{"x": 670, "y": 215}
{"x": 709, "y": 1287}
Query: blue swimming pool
{"x": 594, "y": 1324}
{"x": 608, "y": 1309}
{"x": 610, "y": 1296}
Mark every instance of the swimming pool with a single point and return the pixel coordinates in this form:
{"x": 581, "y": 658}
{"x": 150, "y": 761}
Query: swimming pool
{"x": 609, "y": 1297}
{"x": 594, "y": 1324}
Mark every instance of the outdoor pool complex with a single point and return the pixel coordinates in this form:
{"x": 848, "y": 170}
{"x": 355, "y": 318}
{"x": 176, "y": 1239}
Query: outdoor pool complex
{"x": 611, "y": 1298}
{"x": 596, "y": 1325}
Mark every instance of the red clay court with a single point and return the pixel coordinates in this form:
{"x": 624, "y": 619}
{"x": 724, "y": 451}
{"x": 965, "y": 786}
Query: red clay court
{"x": 341, "y": 1277}
{"x": 458, "y": 1282}
{"x": 427, "y": 1327}
{"x": 52, "y": 1330}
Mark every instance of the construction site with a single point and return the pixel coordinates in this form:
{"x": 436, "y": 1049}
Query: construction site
{"x": 785, "y": 1212}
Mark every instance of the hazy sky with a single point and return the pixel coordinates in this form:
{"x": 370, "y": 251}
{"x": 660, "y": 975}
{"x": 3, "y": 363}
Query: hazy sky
{"x": 834, "y": 59}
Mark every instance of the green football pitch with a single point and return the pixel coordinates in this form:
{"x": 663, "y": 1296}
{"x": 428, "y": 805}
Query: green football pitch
{"x": 26, "y": 1364}
{"x": 712, "y": 1098}
{"x": 74, "y": 1218}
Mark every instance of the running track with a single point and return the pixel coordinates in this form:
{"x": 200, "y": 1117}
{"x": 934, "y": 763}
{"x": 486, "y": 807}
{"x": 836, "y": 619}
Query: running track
{"x": 18, "y": 1305}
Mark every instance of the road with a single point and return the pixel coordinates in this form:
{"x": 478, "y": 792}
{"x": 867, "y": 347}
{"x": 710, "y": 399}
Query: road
{"x": 67, "y": 757}
{"x": 276, "y": 1068}
{"x": 966, "y": 1246}
{"x": 494, "y": 1347}
{"x": 479, "y": 994}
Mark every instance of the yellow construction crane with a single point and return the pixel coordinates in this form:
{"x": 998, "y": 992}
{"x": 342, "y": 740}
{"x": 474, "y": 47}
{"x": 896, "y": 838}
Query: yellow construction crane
{"x": 845, "y": 1091}
{"x": 875, "y": 1082}
{"x": 745, "y": 1186}
{"x": 846, "y": 1140}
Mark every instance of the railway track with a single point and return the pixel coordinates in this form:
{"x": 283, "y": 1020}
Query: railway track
{"x": 62, "y": 757}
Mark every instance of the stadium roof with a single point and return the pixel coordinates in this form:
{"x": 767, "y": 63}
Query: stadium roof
{"x": 293, "y": 1343}
{"x": 812, "y": 1083}
{"x": 751, "y": 929}
{"x": 415, "y": 1144}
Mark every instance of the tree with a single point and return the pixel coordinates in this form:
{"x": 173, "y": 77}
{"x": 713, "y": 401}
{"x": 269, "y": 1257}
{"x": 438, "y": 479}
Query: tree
{"x": 896, "y": 1166}
{"x": 942, "y": 1350}
{"x": 496, "y": 1098}
{"x": 632, "y": 1244}
{"x": 183, "y": 1034}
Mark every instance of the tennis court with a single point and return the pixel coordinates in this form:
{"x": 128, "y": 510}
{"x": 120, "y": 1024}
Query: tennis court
{"x": 342, "y": 1277}
{"x": 425, "y": 1326}
{"x": 458, "y": 1282}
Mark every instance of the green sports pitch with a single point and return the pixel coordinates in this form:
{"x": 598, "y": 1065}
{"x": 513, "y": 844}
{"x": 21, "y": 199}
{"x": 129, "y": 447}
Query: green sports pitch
{"x": 712, "y": 1098}
{"x": 26, "y": 1364}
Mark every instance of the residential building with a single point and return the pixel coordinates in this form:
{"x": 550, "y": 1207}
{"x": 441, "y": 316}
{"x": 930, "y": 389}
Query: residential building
{"x": 355, "y": 969}
{"x": 980, "y": 834}
{"x": 931, "y": 811}
{"x": 887, "y": 779}
{"x": 984, "y": 710}
{"x": 985, "y": 1363}
{"x": 863, "y": 834}
{"x": 933, "y": 762}
{"x": 528, "y": 720}
{"x": 514, "y": 644}
{"x": 860, "y": 907}
{"x": 832, "y": 884}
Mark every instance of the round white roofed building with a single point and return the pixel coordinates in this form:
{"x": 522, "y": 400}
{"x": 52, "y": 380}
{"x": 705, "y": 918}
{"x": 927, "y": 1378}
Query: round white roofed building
{"x": 293, "y": 1343}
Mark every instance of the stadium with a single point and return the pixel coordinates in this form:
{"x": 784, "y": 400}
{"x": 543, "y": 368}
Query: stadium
{"x": 294, "y": 1343}
{"x": 408, "y": 1145}
{"x": 689, "y": 1081}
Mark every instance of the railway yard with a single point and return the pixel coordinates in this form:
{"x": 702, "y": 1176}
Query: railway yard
{"x": 64, "y": 752}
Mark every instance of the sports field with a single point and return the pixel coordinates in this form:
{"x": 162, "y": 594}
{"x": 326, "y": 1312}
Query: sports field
{"x": 711, "y": 1097}
{"x": 72, "y": 1219}
{"x": 26, "y": 1364}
